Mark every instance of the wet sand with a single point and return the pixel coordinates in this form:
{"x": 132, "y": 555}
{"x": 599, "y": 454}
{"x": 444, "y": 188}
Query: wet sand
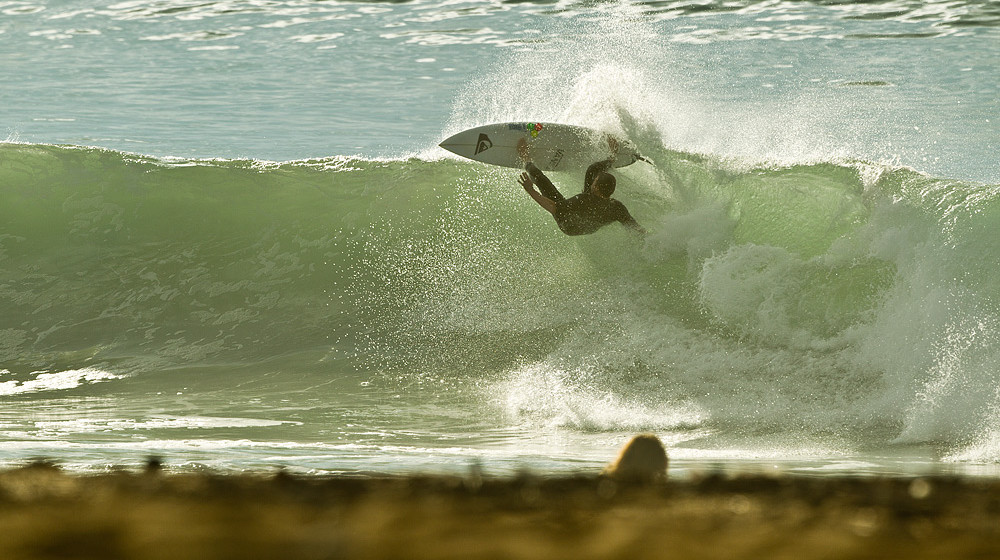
{"x": 48, "y": 513}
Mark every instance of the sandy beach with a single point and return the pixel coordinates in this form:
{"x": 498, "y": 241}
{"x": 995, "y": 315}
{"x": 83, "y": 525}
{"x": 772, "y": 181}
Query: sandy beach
{"x": 49, "y": 513}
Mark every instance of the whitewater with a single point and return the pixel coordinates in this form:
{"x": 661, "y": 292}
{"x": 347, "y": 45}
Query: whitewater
{"x": 228, "y": 239}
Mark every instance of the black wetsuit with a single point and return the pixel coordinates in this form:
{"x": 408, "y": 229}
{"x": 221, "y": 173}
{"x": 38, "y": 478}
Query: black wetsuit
{"x": 586, "y": 212}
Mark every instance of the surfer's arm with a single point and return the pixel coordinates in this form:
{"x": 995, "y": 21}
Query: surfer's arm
{"x": 535, "y": 175}
{"x": 628, "y": 221}
{"x": 547, "y": 203}
{"x": 529, "y": 165}
{"x": 545, "y": 186}
{"x": 634, "y": 226}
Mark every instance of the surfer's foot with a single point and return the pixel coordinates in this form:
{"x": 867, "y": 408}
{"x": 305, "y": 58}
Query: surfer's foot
{"x": 522, "y": 150}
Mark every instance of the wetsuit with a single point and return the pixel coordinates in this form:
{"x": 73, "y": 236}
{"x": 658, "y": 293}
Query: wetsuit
{"x": 586, "y": 212}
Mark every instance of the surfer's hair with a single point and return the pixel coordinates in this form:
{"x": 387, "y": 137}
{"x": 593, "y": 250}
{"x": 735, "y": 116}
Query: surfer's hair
{"x": 605, "y": 184}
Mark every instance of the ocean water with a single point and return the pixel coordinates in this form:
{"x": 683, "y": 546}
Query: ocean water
{"x": 228, "y": 239}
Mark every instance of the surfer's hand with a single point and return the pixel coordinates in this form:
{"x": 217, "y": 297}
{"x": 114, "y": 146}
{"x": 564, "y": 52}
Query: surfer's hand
{"x": 526, "y": 182}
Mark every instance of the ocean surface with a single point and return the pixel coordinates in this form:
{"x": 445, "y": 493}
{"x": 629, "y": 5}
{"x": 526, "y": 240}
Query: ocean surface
{"x": 228, "y": 237}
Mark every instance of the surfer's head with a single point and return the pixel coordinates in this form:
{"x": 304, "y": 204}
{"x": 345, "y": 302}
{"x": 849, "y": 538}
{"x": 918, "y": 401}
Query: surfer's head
{"x": 604, "y": 184}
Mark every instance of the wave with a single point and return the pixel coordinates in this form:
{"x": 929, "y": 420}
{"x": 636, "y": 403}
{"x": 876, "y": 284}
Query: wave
{"x": 108, "y": 256}
{"x": 835, "y": 300}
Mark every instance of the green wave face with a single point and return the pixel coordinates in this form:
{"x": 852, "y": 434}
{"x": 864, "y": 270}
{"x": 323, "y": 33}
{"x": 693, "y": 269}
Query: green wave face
{"x": 839, "y": 297}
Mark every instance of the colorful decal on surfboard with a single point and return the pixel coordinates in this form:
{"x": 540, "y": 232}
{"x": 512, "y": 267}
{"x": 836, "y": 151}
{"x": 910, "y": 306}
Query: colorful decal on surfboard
{"x": 533, "y": 128}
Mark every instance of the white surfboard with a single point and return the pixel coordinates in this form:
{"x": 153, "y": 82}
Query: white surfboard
{"x": 553, "y": 147}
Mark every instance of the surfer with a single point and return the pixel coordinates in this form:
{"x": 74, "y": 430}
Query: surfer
{"x": 586, "y": 212}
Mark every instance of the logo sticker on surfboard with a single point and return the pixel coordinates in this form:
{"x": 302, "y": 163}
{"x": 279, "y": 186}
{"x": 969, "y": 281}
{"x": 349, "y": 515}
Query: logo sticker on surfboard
{"x": 533, "y": 128}
{"x": 483, "y": 144}
{"x": 556, "y": 159}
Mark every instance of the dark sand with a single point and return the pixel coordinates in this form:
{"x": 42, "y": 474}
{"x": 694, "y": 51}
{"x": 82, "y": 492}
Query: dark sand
{"x": 47, "y": 513}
